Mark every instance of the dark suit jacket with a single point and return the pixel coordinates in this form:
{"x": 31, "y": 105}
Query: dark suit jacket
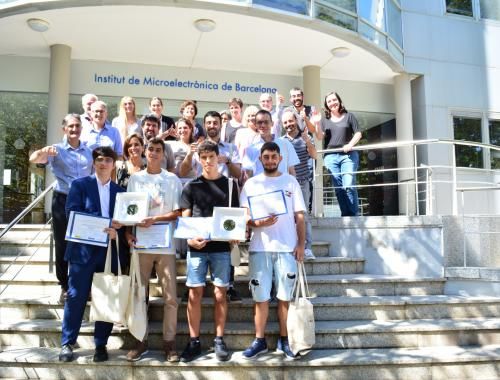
{"x": 84, "y": 197}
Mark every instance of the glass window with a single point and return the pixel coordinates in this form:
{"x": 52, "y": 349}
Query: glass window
{"x": 372, "y": 34}
{"x": 494, "y": 127}
{"x": 336, "y": 17}
{"x": 394, "y": 22}
{"x": 373, "y": 12}
{"x": 349, "y": 5}
{"x": 468, "y": 129}
{"x": 294, "y": 6}
{"x": 23, "y": 129}
{"x": 459, "y": 7}
{"x": 490, "y": 9}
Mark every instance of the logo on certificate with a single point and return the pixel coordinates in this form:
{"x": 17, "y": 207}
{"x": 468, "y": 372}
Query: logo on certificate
{"x": 229, "y": 224}
{"x": 132, "y": 209}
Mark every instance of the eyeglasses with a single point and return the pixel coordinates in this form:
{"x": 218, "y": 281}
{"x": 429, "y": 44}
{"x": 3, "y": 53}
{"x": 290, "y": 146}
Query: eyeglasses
{"x": 107, "y": 160}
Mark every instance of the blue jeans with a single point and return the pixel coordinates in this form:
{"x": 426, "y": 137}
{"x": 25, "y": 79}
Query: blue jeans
{"x": 198, "y": 264}
{"x": 306, "y": 193}
{"x": 340, "y": 166}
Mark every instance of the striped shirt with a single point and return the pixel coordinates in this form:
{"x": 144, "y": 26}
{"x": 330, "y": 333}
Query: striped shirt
{"x": 303, "y": 172}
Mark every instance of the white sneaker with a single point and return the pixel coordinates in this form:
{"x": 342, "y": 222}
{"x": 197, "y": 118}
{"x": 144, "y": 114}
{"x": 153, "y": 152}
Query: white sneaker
{"x": 309, "y": 255}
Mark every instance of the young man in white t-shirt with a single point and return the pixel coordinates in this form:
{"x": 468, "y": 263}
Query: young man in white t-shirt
{"x": 164, "y": 191}
{"x": 276, "y": 245}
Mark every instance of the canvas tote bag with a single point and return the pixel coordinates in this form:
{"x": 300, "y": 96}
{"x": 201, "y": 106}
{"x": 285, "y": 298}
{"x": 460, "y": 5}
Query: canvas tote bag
{"x": 235, "y": 249}
{"x": 300, "y": 322}
{"x": 137, "y": 310}
{"x": 110, "y": 293}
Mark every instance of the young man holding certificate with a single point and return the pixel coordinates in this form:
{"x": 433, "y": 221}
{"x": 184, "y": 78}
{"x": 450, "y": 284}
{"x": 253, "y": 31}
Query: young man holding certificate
{"x": 95, "y": 196}
{"x": 199, "y": 197}
{"x": 276, "y": 208}
{"x": 152, "y": 240}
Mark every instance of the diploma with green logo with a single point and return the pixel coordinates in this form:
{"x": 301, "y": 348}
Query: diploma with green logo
{"x": 87, "y": 229}
{"x": 131, "y": 208}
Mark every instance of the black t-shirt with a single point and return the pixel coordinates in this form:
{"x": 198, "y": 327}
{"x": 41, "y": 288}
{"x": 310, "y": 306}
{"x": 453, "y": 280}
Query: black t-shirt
{"x": 340, "y": 132}
{"x": 166, "y": 124}
{"x": 201, "y": 195}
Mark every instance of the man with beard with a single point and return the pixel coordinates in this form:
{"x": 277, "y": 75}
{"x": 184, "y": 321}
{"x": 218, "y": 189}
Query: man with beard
{"x": 228, "y": 164}
{"x": 251, "y": 162}
{"x": 302, "y": 112}
{"x": 150, "y": 129}
{"x": 276, "y": 245}
{"x": 305, "y": 149}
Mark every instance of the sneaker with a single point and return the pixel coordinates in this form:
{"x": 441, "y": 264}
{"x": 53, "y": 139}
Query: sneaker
{"x": 309, "y": 255}
{"x": 66, "y": 353}
{"x": 233, "y": 296}
{"x": 258, "y": 347}
{"x": 284, "y": 348}
{"x": 191, "y": 352}
{"x": 221, "y": 351}
{"x": 138, "y": 352}
{"x": 170, "y": 352}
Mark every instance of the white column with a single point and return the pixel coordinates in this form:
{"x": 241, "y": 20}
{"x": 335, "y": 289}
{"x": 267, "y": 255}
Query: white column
{"x": 59, "y": 79}
{"x": 404, "y": 132}
{"x": 312, "y": 96}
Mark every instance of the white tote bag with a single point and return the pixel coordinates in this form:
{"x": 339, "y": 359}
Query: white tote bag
{"x": 137, "y": 310}
{"x": 109, "y": 293}
{"x": 300, "y": 322}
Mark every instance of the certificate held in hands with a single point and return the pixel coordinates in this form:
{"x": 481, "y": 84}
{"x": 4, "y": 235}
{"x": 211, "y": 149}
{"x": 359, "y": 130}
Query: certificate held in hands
{"x": 131, "y": 208}
{"x": 156, "y": 237}
{"x": 267, "y": 204}
{"x": 87, "y": 229}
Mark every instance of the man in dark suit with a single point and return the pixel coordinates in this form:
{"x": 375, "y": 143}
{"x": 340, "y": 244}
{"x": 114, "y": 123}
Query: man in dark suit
{"x": 93, "y": 195}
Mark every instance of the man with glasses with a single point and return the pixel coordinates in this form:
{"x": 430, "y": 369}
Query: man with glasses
{"x": 68, "y": 160}
{"x": 266, "y": 103}
{"x": 101, "y": 133}
{"x": 251, "y": 163}
{"x": 94, "y": 195}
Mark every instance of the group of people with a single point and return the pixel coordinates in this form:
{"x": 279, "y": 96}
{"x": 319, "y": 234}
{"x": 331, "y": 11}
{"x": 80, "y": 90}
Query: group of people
{"x": 187, "y": 169}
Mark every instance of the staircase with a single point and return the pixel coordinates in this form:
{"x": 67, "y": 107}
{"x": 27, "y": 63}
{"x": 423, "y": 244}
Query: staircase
{"x": 367, "y": 326}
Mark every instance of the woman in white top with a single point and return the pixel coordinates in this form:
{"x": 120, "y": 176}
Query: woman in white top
{"x": 183, "y": 147}
{"x": 127, "y": 121}
{"x": 248, "y": 135}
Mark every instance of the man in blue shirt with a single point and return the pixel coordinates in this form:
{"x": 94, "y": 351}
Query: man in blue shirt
{"x": 102, "y": 133}
{"x": 68, "y": 160}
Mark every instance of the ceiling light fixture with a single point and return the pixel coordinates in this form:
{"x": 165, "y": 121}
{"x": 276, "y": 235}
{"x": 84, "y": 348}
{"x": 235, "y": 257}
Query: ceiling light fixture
{"x": 340, "y": 52}
{"x": 205, "y": 25}
{"x": 38, "y": 25}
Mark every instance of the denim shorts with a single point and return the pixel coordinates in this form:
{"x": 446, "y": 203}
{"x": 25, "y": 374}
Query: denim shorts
{"x": 198, "y": 264}
{"x": 262, "y": 267}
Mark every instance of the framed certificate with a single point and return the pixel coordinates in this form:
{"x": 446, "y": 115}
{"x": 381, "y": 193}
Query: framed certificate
{"x": 131, "y": 208}
{"x": 228, "y": 223}
{"x": 157, "y": 236}
{"x": 191, "y": 227}
{"x": 267, "y": 204}
{"x": 87, "y": 229}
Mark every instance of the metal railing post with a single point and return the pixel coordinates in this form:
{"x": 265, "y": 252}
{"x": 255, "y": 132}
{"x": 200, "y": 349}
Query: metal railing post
{"x": 454, "y": 194}
{"x": 415, "y": 175}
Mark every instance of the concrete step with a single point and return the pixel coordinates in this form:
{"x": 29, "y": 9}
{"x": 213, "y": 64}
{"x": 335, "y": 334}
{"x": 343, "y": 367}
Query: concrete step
{"x": 467, "y": 363}
{"x": 239, "y": 335}
{"x": 474, "y": 363}
{"x": 325, "y": 308}
{"x": 322, "y": 265}
{"x": 352, "y": 285}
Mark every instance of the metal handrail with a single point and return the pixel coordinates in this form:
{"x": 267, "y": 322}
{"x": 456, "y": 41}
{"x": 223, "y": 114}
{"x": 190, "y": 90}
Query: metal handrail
{"x": 30, "y": 207}
{"x": 413, "y": 144}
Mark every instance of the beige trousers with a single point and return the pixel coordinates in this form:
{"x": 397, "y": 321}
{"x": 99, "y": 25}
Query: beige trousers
{"x": 165, "y": 269}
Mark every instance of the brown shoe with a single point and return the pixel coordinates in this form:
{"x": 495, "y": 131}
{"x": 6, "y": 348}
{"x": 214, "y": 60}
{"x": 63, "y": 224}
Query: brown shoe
{"x": 170, "y": 351}
{"x": 137, "y": 353}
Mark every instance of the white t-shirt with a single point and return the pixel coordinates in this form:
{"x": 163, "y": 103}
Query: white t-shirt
{"x": 251, "y": 158}
{"x": 281, "y": 236}
{"x": 164, "y": 191}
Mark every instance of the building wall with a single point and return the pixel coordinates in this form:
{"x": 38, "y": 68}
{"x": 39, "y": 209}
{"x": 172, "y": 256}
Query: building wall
{"x": 457, "y": 62}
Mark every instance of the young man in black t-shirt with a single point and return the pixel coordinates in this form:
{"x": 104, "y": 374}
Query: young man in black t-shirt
{"x": 198, "y": 199}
